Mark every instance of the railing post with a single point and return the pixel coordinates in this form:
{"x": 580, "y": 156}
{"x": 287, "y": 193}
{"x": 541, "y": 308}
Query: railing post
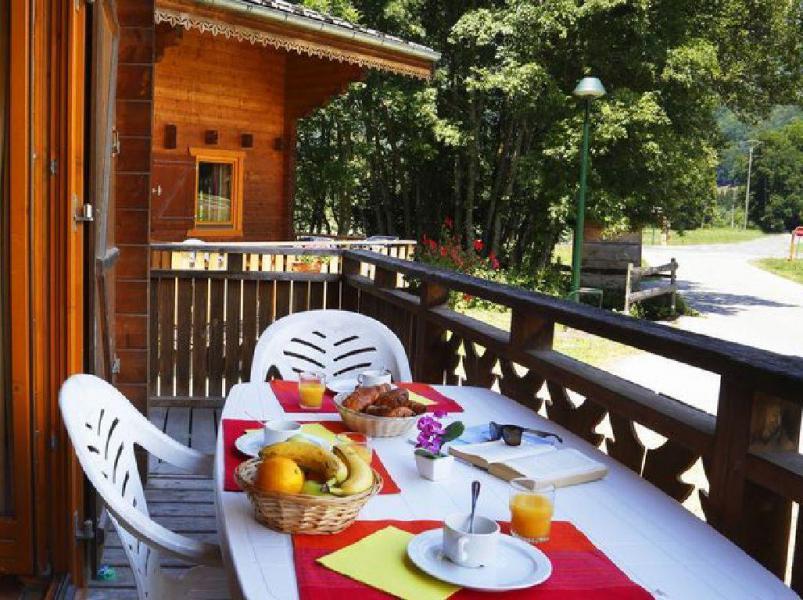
{"x": 628, "y": 287}
{"x": 672, "y": 280}
{"x": 755, "y": 518}
{"x": 349, "y": 296}
{"x": 430, "y": 346}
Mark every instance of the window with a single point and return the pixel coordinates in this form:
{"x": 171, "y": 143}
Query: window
{"x": 218, "y": 192}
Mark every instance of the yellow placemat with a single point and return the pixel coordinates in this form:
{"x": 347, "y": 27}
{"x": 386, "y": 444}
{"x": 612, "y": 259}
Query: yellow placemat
{"x": 319, "y": 431}
{"x": 420, "y": 399}
{"x": 380, "y": 560}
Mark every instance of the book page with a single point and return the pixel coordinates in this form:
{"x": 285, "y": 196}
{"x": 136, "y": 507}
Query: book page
{"x": 485, "y": 453}
{"x": 561, "y": 468}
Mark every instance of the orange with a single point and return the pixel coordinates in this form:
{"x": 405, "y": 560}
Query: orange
{"x": 279, "y": 474}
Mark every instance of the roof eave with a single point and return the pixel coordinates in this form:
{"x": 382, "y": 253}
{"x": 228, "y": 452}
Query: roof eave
{"x": 277, "y": 16}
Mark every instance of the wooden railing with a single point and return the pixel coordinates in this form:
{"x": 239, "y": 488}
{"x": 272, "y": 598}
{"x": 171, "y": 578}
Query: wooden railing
{"x": 749, "y": 450}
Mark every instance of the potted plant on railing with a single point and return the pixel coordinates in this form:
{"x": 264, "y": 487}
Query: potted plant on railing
{"x": 430, "y": 459}
{"x": 309, "y": 263}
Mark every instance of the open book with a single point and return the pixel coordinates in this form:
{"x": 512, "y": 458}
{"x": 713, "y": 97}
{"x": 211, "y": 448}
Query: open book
{"x": 542, "y": 463}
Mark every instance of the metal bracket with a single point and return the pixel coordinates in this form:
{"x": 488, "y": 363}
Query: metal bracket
{"x": 83, "y": 531}
{"x": 83, "y": 213}
{"x": 116, "y": 365}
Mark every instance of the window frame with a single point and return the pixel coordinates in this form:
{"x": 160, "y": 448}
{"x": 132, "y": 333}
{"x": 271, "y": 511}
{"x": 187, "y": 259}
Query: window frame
{"x": 234, "y": 227}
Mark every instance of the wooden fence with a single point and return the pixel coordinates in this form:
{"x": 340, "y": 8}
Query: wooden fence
{"x": 749, "y": 449}
{"x": 635, "y": 275}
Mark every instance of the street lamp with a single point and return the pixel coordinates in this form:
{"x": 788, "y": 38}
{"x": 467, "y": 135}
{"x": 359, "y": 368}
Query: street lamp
{"x": 587, "y": 90}
{"x": 751, "y": 144}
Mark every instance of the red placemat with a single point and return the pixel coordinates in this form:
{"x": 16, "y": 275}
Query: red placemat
{"x": 430, "y": 393}
{"x": 234, "y": 428}
{"x": 286, "y": 393}
{"x": 579, "y": 569}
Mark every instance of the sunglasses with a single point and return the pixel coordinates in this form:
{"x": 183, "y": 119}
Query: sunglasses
{"x": 511, "y": 434}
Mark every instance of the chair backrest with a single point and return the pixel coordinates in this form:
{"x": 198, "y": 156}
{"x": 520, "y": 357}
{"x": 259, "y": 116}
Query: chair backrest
{"x": 102, "y": 426}
{"x": 337, "y": 343}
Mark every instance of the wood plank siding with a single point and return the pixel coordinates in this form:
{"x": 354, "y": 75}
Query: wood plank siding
{"x": 132, "y": 189}
{"x": 204, "y": 82}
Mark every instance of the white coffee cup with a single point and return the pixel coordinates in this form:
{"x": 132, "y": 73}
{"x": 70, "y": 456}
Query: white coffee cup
{"x": 279, "y": 431}
{"x": 374, "y": 377}
{"x": 466, "y": 549}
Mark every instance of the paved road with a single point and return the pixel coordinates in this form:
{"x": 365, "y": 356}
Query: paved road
{"x": 737, "y": 302}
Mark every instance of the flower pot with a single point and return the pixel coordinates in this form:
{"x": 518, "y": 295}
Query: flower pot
{"x": 307, "y": 267}
{"x": 434, "y": 469}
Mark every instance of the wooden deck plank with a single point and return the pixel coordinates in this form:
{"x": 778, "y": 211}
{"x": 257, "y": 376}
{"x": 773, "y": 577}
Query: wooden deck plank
{"x": 203, "y": 430}
{"x": 180, "y": 496}
{"x": 158, "y": 417}
{"x": 171, "y": 482}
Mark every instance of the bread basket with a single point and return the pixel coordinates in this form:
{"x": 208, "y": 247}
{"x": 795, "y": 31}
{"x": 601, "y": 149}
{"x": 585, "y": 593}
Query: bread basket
{"x": 372, "y": 425}
{"x": 302, "y": 513}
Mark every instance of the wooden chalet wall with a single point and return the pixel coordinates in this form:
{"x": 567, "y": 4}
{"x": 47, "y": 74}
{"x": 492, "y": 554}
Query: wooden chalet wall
{"x": 204, "y": 82}
{"x": 132, "y": 186}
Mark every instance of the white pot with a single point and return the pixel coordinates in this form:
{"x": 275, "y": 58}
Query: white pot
{"x": 434, "y": 469}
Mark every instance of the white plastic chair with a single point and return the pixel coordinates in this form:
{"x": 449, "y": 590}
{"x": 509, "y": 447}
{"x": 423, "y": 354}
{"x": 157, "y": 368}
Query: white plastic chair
{"x": 104, "y": 427}
{"x": 338, "y": 343}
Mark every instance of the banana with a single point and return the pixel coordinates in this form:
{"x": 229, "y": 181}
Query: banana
{"x": 361, "y": 476}
{"x": 311, "y": 458}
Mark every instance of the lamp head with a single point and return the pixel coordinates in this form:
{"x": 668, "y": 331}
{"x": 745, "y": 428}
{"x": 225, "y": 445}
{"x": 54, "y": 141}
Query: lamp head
{"x": 589, "y": 88}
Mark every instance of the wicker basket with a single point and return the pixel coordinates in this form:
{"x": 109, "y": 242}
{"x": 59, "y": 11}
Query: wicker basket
{"x": 302, "y": 513}
{"x": 372, "y": 425}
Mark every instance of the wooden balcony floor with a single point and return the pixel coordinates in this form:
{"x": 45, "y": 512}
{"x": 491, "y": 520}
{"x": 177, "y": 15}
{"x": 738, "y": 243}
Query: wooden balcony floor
{"x": 181, "y": 502}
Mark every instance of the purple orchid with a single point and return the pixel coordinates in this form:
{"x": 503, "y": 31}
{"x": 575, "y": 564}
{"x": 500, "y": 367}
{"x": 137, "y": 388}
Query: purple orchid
{"x": 432, "y": 434}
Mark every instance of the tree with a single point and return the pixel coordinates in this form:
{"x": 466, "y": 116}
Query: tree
{"x": 492, "y": 141}
{"x": 778, "y": 192}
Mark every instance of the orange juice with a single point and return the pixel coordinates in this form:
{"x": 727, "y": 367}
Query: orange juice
{"x": 531, "y": 516}
{"x": 311, "y": 394}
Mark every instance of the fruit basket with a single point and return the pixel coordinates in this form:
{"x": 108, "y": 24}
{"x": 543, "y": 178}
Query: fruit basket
{"x": 372, "y": 425}
{"x": 302, "y": 513}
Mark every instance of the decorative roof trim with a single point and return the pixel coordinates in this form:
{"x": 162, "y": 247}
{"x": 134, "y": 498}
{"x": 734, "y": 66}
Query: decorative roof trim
{"x": 283, "y": 42}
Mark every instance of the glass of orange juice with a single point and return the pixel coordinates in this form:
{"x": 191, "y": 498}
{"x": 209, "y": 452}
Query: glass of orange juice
{"x": 359, "y": 442}
{"x": 531, "y": 509}
{"x": 311, "y": 387}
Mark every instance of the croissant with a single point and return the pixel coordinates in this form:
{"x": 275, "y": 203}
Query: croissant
{"x": 394, "y": 398}
{"x": 363, "y": 397}
{"x": 401, "y": 411}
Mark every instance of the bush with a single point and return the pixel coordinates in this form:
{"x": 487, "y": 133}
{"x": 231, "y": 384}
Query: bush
{"x": 660, "y": 308}
{"x": 447, "y": 252}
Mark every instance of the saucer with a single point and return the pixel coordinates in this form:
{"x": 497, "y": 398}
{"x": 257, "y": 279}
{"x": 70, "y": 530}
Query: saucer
{"x": 251, "y": 442}
{"x": 519, "y": 565}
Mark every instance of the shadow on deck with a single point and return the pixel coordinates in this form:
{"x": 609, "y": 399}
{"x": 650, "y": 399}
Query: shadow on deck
{"x": 182, "y": 503}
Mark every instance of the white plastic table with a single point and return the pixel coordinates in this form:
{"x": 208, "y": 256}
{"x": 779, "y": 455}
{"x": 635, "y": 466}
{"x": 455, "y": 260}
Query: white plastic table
{"x": 652, "y": 538}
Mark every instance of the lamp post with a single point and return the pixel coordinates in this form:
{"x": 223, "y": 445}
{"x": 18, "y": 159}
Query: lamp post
{"x": 751, "y": 145}
{"x": 587, "y": 90}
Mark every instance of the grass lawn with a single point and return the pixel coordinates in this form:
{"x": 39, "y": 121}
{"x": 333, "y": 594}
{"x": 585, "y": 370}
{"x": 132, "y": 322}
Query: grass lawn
{"x": 708, "y": 235}
{"x": 791, "y": 269}
{"x": 582, "y": 346}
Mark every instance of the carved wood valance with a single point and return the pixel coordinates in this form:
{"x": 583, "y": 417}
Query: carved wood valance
{"x": 289, "y": 43}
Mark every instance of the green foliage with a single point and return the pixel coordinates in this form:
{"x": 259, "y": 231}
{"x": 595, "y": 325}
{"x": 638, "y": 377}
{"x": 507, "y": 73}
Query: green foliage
{"x": 660, "y": 308}
{"x": 493, "y": 140}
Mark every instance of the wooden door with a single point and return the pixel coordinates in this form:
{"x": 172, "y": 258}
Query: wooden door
{"x": 16, "y": 510}
{"x": 100, "y": 261}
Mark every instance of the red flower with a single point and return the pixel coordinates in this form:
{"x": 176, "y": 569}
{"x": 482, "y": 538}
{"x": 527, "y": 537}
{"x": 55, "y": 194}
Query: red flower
{"x": 443, "y": 250}
{"x": 467, "y": 297}
{"x": 478, "y": 245}
{"x": 432, "y": 244}
{"x": 448, "y": 222}
{"x": 424, "y": 239}
{"x": 494, "y": 261}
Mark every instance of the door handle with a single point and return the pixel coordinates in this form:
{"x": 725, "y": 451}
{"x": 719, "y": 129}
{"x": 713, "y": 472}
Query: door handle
{"x": 157, "y": 191}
